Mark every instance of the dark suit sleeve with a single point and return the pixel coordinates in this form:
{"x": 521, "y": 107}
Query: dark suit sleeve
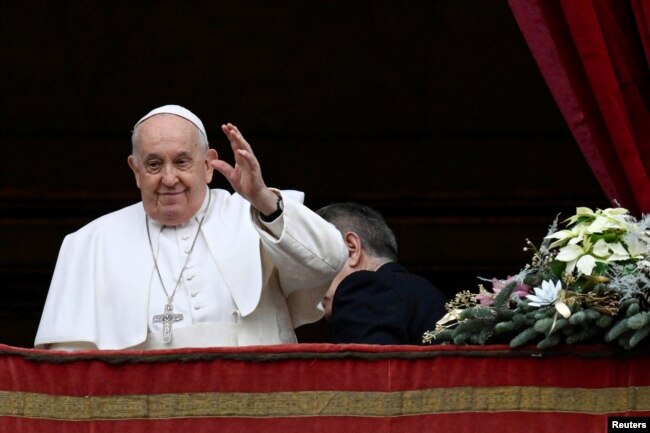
{"x": 366, "y": 310}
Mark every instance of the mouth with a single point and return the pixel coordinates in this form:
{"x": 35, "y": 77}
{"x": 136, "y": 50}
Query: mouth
{"x": 171, "y": 193}
{"x": 171, "y": 197}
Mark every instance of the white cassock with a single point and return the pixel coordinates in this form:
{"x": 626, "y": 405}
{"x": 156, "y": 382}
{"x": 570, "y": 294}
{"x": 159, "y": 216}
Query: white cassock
{"x": 245, "y": 283}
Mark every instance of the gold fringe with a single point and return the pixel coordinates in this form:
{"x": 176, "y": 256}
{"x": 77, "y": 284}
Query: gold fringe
{"x": 326, "y": 403}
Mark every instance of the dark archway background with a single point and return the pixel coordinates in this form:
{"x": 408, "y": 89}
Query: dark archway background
{"x": 433, "y": 112}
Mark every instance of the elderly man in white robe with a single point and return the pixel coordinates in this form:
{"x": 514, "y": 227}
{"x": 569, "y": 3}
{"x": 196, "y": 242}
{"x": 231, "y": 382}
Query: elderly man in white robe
{"x": 190, "y": 266}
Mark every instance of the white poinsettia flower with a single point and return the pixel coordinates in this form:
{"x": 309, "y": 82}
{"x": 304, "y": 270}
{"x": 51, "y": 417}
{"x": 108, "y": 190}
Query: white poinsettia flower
{"x": 580, "y": 213}
{"x": 599, "y": 225}
{"x": 580, "y": 257}
{"x": 584, "y": 211}
{"x": 562, "y": 237}
{"x": 600, "y": 220}
{"x": 601, "y": 249}
{"x": 561, "y": 234}
{"x": 570, "y": 253}
{"x": 585, "y": 264}
{"x": 616, "y": 219}
{"x": 617, "y": 214}
{"x": 581, "y": 235}
{"x": 545, "y": 295}
{"x": 610, "y": 251}
{"x": 619, "y": 253}
{"x": 573, "y": 236}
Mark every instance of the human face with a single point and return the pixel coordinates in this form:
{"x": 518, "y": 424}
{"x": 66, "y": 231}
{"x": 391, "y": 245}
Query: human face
{"x": 327, "y": 300}
{"x": 170, "y": 168}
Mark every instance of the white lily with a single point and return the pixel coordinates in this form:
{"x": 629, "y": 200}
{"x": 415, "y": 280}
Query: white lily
{"x": 545, "y": 295}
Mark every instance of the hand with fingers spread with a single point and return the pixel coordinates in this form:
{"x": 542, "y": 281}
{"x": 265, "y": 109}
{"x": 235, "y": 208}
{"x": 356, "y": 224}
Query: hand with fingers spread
{"x": 246, "y": 176}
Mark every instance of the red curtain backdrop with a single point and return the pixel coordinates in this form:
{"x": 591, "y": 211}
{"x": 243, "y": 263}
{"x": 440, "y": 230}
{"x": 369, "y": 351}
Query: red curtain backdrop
{"x": 595, "y": 57}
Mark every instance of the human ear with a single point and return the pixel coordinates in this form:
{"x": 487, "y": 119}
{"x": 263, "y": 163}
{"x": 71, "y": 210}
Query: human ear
{"x": 131, "y": 161}
{"x": 210, "y": 156}
{"x": 353, "y": 244}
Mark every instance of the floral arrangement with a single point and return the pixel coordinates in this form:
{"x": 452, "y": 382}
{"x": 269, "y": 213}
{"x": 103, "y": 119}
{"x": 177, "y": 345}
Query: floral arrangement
{"x": 587, "y": 283}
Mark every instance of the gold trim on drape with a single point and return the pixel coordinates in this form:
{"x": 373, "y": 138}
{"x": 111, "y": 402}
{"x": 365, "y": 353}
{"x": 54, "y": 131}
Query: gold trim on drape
{"x": 327, "y": 403}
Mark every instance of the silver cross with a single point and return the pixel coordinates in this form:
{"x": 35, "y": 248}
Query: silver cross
{"x": 167, "y": 318}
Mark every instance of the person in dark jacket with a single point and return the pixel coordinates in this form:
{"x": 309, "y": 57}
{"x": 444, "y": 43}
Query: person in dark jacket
{"x": 374, "y": 299}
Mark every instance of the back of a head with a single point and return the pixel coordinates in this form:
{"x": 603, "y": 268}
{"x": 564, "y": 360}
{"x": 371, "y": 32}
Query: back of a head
{"x": 377, "y": 238}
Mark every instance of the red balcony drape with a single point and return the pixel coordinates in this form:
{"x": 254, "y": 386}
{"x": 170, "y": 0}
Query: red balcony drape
{"x": 595, "y": 57}
{"x": 322, "y": 388}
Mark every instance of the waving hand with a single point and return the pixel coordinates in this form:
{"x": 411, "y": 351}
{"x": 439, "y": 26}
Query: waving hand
{"x": 246, "y": 176}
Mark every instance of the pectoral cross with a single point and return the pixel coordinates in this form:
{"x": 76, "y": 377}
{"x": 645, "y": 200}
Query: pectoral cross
{"x": 167, "y": 318}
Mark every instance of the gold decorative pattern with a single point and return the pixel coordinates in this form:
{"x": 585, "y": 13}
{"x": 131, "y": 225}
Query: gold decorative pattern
{"x": 326, "y": 403}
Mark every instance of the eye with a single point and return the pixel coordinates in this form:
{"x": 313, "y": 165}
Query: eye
{"x": 183, "y": 163}
{"x": 153, "y": 166}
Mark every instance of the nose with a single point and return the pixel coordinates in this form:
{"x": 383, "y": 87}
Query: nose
{"x": 169, "y": 175}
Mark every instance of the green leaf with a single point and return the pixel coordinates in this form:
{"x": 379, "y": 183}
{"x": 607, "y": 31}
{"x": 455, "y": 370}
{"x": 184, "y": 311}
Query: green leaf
{"x": 578, "y": 318}
{"x": 550, "y": 341}
{"x": 504, "y": 295}
{"x": 604, "y": 321}
{"x": 503, "y": 327}
{"x": 639, "y": 320}
{"x": 639, "y": 335}
{"x": 583, "y": 334}
{"x": 524, "y": 337}
{"x": 558, "y": 267}
{"x": 600, "y": 269}
{"x": 592, "y": 315}
{"x": 461, "y": 338}
{"x": 617, "y": 330}
{"x": 543, "y": 325}
{"x": 632, "y": 310}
